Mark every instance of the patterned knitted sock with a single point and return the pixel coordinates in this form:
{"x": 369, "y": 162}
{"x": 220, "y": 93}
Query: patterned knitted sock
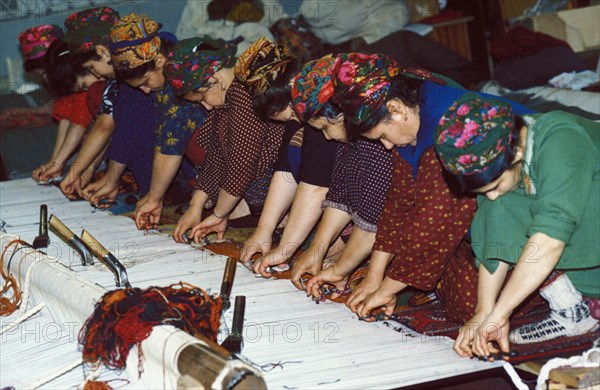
{"x": 571, "y": 321}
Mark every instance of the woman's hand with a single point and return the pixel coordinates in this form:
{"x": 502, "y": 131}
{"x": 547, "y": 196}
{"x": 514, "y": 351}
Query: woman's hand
{"x": 378, "y": 299}
{"x": 211, "y": 224}
{"x": 464, "y": 342}
{"x": 188, "y": 220}
{"x": 327, "y": 276}
{"x": 259, "y": 242}
{"x": 98, "y": 191}
{"x": 47, "y": 171}
{"x": 70, "y": 185}
{"x": 277, "y": 256}
{"x": 495, "y": 328}
{"x": 148, "y": 212}
{"x": 367, "y": 287}
{"x": 310, "y": 262}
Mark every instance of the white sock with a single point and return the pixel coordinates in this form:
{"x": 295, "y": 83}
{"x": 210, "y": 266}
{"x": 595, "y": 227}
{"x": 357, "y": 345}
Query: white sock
{"x": 572, "y": 321}
{"x": 561, "y": 293}
{"x": 569, "y": 315}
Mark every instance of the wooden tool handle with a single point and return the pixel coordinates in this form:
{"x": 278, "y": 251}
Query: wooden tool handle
{"x": 238, "y": 315}
{"x": 61, "y": 229}
{"x": 230, "y": 268}
{"x": 97, "y": 249}
{"x": 228, "y": 276}
{"x": 43, "y": 220}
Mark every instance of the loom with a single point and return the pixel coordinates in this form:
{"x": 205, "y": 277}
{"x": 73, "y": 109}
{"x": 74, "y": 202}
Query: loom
{"x": 289, "y": 341}
{"x": 171, "y": 357}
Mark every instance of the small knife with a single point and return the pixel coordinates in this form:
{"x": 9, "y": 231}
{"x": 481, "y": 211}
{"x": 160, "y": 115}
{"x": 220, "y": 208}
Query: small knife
{"x": 69, "y": 237}
{"x": 106, "y": 258}
{"x": 227, "y": 283}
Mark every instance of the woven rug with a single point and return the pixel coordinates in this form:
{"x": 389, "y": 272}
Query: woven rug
{"x": 430, "y": 318}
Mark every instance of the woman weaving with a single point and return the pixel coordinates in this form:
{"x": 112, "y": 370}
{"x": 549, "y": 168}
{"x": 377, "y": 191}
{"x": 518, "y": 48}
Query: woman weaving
{"x": 360, "y": 178}
{"x": 303, "y": 169}
{"x": 235, "y": 150}
{"x": 423, "y": 226}
{"x": 537, "y": 177}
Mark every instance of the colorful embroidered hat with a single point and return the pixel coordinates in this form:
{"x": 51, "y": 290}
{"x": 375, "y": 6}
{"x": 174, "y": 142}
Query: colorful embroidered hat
{"x": 193, "y": 61}
{"x": 34, "y": 42}
{"x": 313, "y": 87}
{"x": 89, "y": 27}
{"x": 262, "y": 64}
{"x": 361, "y": 82}
{"x": 473, "y": 134}
{"x": 134, "y": 41}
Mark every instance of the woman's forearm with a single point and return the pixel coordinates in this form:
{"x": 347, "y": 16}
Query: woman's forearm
{"x": 378, "y": 264}
{"x": 95, "y": 142}
{"x": 538, "y": 259}
{"x": 304, "y": 214}
{"x": 225, "y": 204}
{"x": 331, "y": 225}
{"x": 280, "y": 195}
{"x": 359, "y": 246}
{"x": 70, "y": 142}
{"x": 164, "y": 170}
{"x": 63, "y": 127}
{"x": 489, "y": 286}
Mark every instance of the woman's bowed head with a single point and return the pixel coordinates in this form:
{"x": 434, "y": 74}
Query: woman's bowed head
{"x": 199, "y": 70}
{"x": 477, "y": 142}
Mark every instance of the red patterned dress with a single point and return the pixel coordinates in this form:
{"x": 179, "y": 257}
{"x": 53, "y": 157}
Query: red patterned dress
{"x": 424, "y": 224}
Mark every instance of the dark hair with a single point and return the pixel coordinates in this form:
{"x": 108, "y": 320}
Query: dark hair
{"x": 140, "y": 71}
{"x": 405, "y": 89}
{"x": 279, "y": 94}
{"x": 36, "y": 63}
{"x": 62, "y": 68}
{"x": 468, "y": 183}
{"x": 85, "y": 56}
{"x": 330, "y": 111}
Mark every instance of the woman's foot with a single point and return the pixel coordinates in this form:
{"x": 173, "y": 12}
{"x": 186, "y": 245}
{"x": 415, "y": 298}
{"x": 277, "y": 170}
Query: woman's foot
{"x": 572, "y": 321}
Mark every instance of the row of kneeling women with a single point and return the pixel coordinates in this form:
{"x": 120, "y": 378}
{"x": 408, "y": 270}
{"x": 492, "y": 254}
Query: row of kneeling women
{"x": 470, "y": 195}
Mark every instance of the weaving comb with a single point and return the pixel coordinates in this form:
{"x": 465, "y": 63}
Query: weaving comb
{"x": 42, "y": 240}
{"x": 107, "y": 258}
{"x": 69, "y": 237}
{"x": 227, "y": 283}
{"x": 235, "y": 341}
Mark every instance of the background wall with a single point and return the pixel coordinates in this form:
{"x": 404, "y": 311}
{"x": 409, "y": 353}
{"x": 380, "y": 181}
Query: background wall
{"x": 168, "y": 12}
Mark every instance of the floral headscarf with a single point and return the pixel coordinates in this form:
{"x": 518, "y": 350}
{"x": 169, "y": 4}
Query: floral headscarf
{"x": 313, "y": 87}
{"x": 89, "y": 27}
{"x": 134, "y": 41}
{"x": 261, "y": 64}
{"x": 361, "y": 82}
{"x": 193, "y": 61}
{"x": 473, "y": 134}
{"x": 35, "y": 41}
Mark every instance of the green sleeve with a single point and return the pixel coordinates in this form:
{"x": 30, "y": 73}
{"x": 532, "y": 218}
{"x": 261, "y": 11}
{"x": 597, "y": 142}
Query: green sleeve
{"x": 565, "y": 161}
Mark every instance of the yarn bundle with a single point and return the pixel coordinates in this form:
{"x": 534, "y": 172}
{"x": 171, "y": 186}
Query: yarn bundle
{"x": 125, "y": 317}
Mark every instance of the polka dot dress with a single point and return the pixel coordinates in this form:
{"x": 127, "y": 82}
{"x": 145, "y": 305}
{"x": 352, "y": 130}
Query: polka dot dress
{"x": 360, "y": 180}
{"x": 241, "y": 149}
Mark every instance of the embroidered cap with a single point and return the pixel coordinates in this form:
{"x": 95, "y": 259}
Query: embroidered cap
{"x": 89, "y": 27}
{"x": 134, "y": 41}
{"x": 361, "y": 83}
{"x": 473, "y": 134}
{"x": 193, "y": 61}
{"x": 261, "y": 64}
{"x": 34, "y": 42}
{"x": 313, "y": 87}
